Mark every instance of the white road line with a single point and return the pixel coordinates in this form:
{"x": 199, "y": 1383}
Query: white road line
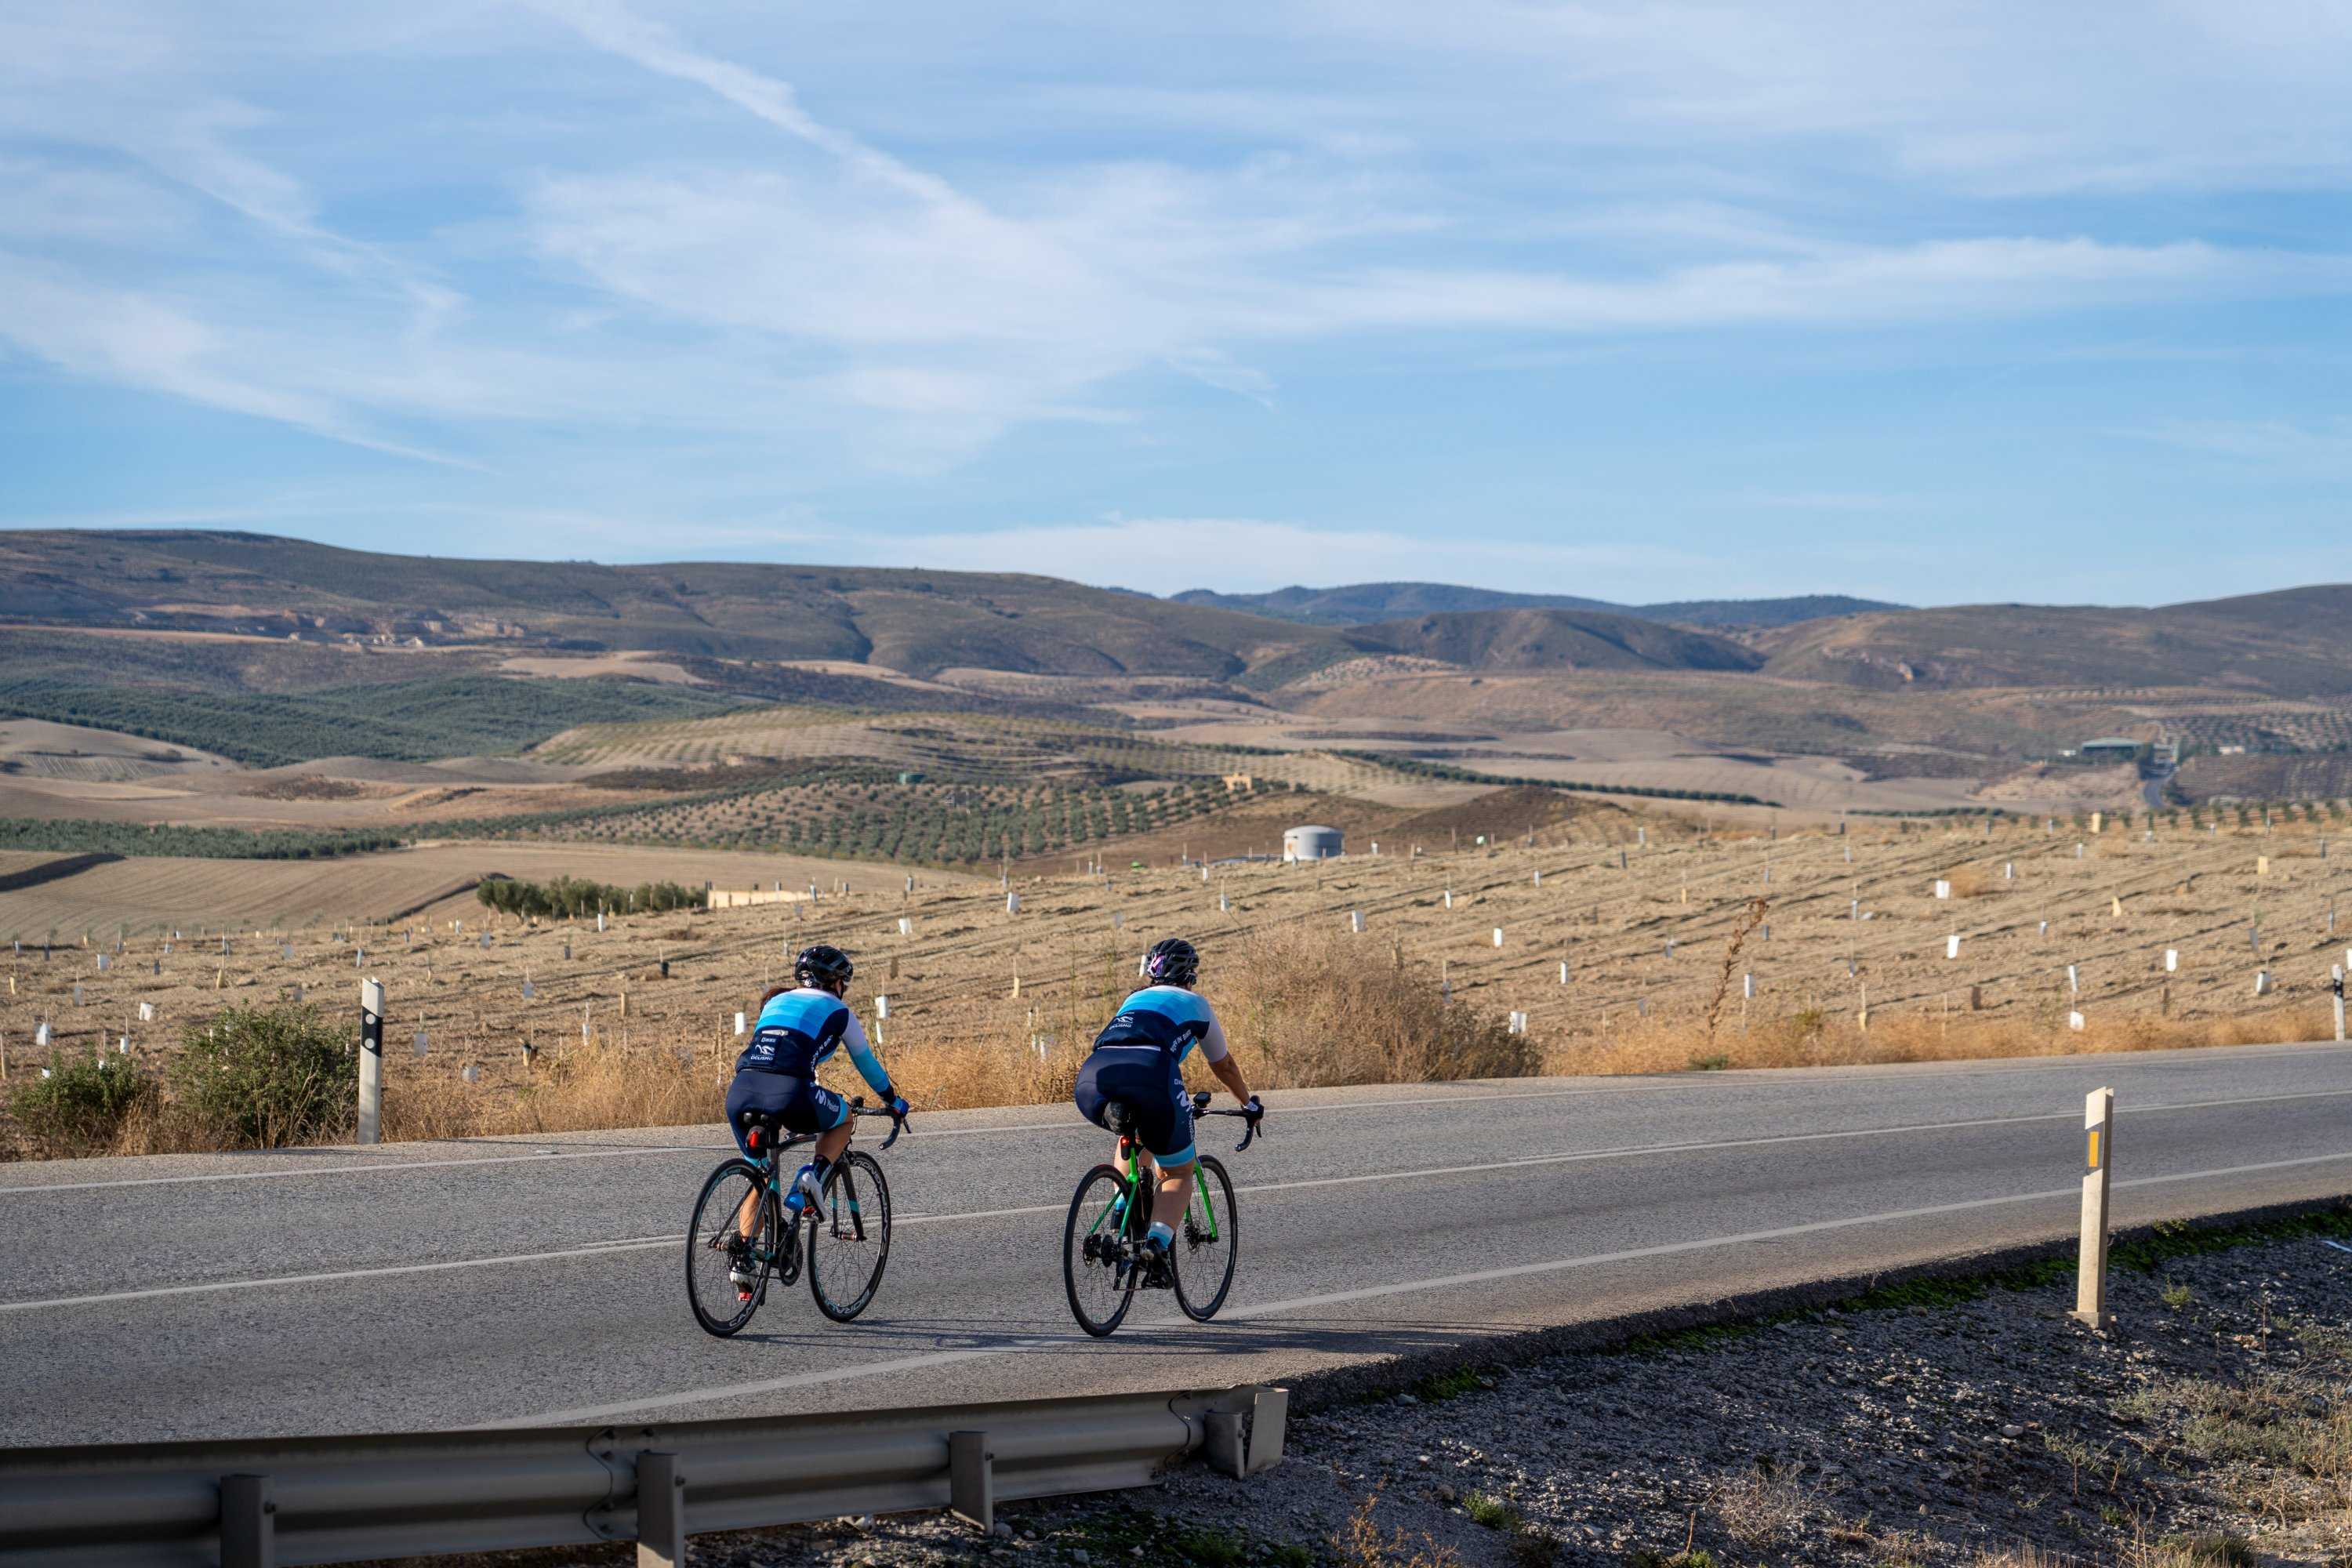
{"x": 1779, "y": 1233}
{"x": 591, "y": 1250}
{"x": 1433, "y": 1095}
{"x": 1370, "y": 1292}
{"x": 376, "y": 1168}
{"x": 394, "y": 1167}
{"x": 1629, "y": 1151}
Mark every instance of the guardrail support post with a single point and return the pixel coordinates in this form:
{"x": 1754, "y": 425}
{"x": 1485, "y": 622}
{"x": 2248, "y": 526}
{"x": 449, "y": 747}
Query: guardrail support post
{"x": 1222, "y": 1441}
{"x": 1267, "y": 1424}
{"x": 248, "y": 1524}
{"x": 2091, "y": 1275}
{"x": 661, "y": 1512}
{"x": 972, "y": 1480}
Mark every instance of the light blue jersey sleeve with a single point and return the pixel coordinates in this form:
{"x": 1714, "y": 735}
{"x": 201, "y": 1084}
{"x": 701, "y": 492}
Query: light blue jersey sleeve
{"x": 861, "y": 1052}
{"x": 1213, "y": 1039}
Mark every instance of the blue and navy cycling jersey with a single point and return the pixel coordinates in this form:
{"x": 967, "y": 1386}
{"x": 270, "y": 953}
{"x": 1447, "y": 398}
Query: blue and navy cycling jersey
{"x": 1167, "y": 1018}
{"x": 799, "y": 1030}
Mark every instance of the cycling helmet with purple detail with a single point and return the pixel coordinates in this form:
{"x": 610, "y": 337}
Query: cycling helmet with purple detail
{"x": 825, "y": 967}
{"x": 1173, "y": 960}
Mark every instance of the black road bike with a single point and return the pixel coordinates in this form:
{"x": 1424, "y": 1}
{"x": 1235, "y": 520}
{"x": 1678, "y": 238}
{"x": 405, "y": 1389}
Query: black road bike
{"x": 1103, "y": 1262}
{"x": 847, "y": 1232}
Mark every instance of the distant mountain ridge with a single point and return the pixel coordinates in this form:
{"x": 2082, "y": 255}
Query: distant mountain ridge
{"x": 1364, "y": 604}
{"x": 196, "y": 580}
{"x": 294, "y": 594}
{"x": 1529, "y": 640}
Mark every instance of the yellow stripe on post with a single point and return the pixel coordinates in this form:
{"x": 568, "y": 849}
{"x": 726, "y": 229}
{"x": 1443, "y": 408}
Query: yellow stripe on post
{"x": 2092, "y": 1163}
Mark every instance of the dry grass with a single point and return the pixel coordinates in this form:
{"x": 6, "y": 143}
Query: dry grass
{"x": 1970, "y": 882}
{"x": 1815, "y": 1037}
{"x": 1759, "y": 1512}
{"x": 1359, "y": 1543}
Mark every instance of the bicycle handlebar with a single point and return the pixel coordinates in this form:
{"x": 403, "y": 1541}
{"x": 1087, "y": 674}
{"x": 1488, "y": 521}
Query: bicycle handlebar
{"x": 898, "y": 1123}
{"x": 1251, "y": 1113}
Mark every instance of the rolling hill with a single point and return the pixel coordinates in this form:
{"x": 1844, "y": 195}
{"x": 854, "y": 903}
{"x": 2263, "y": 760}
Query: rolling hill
{"x": 1527, "y": 640}
{"x": 914, "y": 621}
{"x": 2292, "y": 643}
{"x": 1365, "y": 602}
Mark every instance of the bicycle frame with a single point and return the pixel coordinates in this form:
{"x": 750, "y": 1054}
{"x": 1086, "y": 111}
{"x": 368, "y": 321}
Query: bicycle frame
{"x": 768, "y": 1162}
{"x": 1135, "y": 1196}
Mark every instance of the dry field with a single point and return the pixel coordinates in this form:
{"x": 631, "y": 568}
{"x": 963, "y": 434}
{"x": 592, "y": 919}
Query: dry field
{"x": 40, "y": 749}
{"x": 147, "y": 897}
{"x": 942, "y": 745}
{"x": 1692, "y": 950}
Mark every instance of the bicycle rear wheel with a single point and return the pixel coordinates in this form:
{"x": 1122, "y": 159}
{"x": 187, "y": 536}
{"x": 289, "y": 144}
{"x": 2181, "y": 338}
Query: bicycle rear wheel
{"x": 1096, "y": 1272}
{"x": 716, "y": 1247}
{"x": 849, "y": 1237}
{"x": 1206, "y": 1243}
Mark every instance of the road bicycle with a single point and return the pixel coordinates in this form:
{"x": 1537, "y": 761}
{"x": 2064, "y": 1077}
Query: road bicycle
{"x": 1103, "y": 1264}
{"x": 849, "y": 1229}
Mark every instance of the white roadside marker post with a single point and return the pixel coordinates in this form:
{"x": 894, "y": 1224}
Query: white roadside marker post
{"x": 2335, "y": 985}
{"x": 2091, "y": 1271}
{"x": 371, "y": 1062}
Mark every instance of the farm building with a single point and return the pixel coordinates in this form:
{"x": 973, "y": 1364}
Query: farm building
{"x": 2110, "y": 746}
{"x": 1310, "y": 843}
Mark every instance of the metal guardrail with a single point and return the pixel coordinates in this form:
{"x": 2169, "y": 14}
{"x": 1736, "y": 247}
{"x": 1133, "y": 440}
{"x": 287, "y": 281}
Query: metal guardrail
{"x": 260, "y": 1502}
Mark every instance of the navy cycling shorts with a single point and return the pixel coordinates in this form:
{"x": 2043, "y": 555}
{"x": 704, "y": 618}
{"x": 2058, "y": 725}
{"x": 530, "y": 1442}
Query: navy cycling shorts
{"x": 798, "y": 1104}
{"x": 1150, "y": 1083}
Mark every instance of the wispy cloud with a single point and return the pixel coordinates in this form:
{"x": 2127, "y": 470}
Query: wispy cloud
{"x": 928, "y": 269}
{"x": 2282, "y": 446}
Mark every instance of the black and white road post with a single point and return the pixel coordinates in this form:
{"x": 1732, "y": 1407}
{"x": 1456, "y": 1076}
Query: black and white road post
{"x": 371, "y": 1062}
{"x": 2335, "y": 985}
{"x": 2091, "y": 1274}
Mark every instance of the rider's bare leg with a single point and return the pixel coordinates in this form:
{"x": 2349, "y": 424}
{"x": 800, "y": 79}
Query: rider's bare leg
{"x": 1175, "y": 1194}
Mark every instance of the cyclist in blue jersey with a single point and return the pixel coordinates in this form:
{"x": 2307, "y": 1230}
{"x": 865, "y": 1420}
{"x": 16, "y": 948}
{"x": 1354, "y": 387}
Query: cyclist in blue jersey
{"x": 1138, "y": 1062}
{"x": 799, "y": 1027}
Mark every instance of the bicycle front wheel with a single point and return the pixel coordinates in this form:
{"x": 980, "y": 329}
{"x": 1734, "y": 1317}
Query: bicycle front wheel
{"x": 1206, "y": 1243}
{"x": 720, "y": 1257}
{"x": 1097, "y": 1269}
{"x": 849, "y": 1237}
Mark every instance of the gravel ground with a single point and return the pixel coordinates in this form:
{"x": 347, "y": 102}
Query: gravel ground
{"x": 1936, "y": 1423}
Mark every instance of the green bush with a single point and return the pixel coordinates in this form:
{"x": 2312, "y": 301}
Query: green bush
{"x": 577, "y": 897}
{"x": 78, "y": 1108}
{"x": 260, "y": 1078}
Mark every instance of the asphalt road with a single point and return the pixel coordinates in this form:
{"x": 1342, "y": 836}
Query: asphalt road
{"x": 518, "y": 1281}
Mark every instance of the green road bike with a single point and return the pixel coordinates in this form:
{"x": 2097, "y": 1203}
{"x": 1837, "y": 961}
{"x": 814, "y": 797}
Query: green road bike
{"x": 1103, "y": 1264}
{"x": 844, "y": 1244}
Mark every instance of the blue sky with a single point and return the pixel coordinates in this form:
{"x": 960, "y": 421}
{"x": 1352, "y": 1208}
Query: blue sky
{"x": 1932, "y": 303}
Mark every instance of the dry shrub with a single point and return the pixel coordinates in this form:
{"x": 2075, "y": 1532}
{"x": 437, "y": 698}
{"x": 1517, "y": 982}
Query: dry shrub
{"x": 1970, "y": 882}
{"x": 581, "y": 1089}
{"x": 1310, "y": 1009}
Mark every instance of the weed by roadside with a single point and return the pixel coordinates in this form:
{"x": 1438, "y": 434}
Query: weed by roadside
{"x": 75, "y": 1107}
{"x": 1359, "y": 1543}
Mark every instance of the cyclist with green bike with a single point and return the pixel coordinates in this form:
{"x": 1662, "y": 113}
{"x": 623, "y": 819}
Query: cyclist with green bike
{"x": 1138, "y": 1063}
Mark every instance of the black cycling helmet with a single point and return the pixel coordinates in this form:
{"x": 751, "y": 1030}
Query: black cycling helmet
{"x": 1173, "y": 960}
{"x": 825, "y": 967}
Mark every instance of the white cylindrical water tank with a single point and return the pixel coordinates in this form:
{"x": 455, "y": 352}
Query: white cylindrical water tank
{"x": 1310, "y": 843}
